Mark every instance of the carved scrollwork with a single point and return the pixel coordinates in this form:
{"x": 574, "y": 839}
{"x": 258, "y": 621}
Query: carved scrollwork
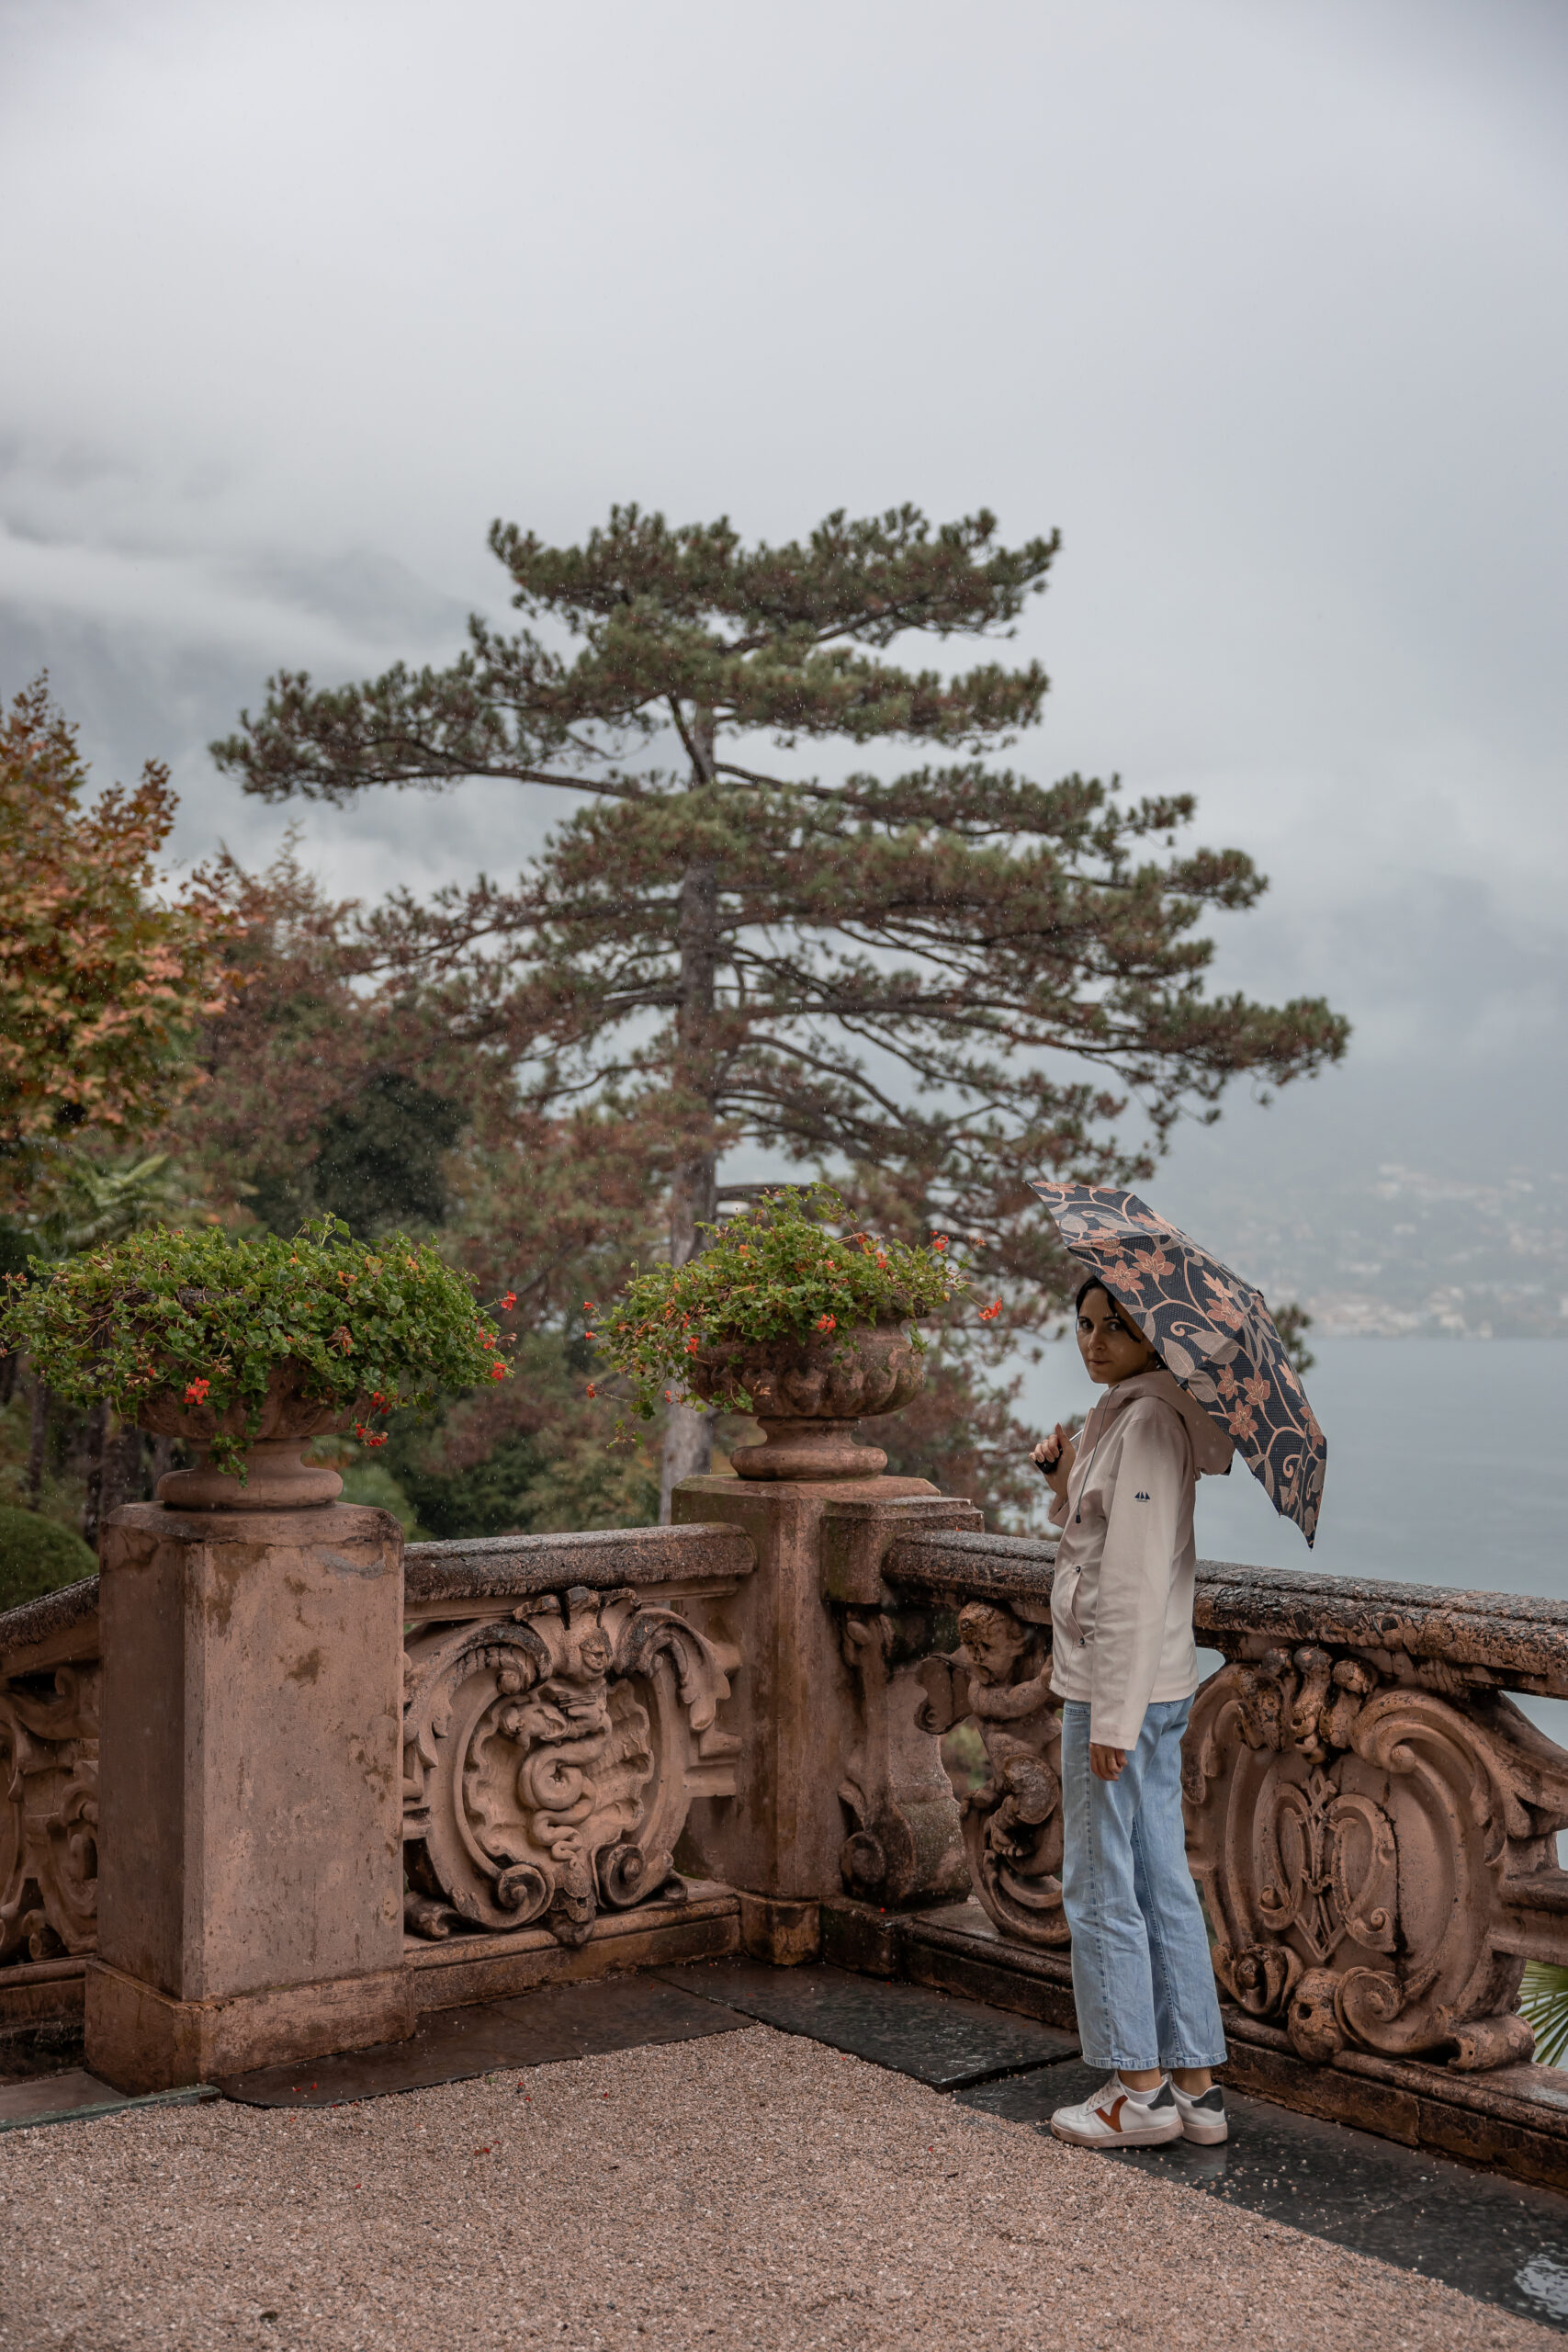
{"x": 1001, "y": 1679}
{"x": 49, "y": 1843}
{"x": 549, "y": 1761}
{"x": 1370, "y": 1851}
{"x": 907, "y": 1842}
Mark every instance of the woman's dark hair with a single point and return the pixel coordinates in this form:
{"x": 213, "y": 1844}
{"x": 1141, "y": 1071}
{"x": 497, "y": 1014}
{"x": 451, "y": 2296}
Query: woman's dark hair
{"x": 1093, "y": 1282}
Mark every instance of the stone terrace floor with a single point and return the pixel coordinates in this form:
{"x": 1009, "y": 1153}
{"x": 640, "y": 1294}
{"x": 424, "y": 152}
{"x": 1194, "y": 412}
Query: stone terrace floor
{"x": 745, "y": 2187}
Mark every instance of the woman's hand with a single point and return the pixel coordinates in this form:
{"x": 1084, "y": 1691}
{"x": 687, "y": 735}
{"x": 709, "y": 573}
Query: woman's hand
{"x": 1054, "y": 1455}
{"x": 1106, "y": 1763}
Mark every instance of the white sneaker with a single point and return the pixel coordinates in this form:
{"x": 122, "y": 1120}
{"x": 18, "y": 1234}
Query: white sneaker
{"x": 1202, "y": 2118}
{"x": 1119, "y": 2117}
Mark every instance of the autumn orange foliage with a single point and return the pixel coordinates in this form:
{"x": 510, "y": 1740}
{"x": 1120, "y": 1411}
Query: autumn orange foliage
{"x": 103, "y": 974}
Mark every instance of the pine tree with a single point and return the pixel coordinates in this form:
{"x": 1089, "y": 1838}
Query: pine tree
{"x": 951, "y": 978}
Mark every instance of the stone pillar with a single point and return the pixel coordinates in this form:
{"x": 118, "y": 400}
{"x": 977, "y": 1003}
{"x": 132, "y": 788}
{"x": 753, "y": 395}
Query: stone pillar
{"x": 250, "y": 1906}
{"x": 809, "y": 1740}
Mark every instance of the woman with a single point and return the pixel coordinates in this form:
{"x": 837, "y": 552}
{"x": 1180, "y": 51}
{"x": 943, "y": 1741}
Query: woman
{"x": 1125, "y": 1664}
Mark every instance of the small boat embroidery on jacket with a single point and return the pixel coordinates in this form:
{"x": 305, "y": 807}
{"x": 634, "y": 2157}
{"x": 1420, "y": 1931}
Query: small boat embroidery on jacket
{"x": 1140, "y": 1497}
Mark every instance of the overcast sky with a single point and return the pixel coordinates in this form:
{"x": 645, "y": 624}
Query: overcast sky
{"x": 1263, "y": 304}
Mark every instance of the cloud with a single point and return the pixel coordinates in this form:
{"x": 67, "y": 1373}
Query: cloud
{"x": 1255, "y": 303}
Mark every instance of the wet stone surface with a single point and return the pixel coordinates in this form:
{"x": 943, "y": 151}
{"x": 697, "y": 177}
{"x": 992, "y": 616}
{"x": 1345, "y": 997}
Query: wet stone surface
{"x": 935, "y": 2037}
{"x": 533, "y": 2029}
{"x": 71, "y": 2095}
{"x": 1501, "y": 2241}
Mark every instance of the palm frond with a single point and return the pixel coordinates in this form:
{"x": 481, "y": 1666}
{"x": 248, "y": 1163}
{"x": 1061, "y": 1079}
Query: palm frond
{"x": 1543, "y": 1999}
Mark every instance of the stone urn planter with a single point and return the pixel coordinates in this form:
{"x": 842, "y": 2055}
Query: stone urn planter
{"x": 809, "y": 1394}
{"x": 275, "y": 1477}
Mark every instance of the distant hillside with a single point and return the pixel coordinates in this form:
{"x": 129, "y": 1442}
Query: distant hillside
{"x": 1395, "y": 1253}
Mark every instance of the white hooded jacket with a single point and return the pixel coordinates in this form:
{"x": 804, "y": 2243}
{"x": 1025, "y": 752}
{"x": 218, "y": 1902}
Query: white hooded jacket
{"x": 1121, "y": 1600}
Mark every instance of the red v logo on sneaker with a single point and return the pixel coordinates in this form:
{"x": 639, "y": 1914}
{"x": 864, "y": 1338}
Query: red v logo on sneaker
{"x": 1112, "y": 2121}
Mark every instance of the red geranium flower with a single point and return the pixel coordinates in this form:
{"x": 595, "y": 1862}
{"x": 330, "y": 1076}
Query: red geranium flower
{"x": 508, "y": 1301}
{"x": 197, "y": 1393}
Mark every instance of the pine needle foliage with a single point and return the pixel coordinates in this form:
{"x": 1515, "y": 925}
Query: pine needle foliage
{"x": 945, "y": 979}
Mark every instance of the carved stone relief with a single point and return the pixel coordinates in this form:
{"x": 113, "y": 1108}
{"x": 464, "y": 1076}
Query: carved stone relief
{"x": 1000, "y": 1678}
{"x": 1378, "y": 1857}
{"x": 48, "y": 1847}
{"x": 907, "y": 1843}
{"x": 549, "y": 1760}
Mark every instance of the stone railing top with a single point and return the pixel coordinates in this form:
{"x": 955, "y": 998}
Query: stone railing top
{"x": 985, "y": 1568}
{"x": 63, "y": 1625}
{"x": 1519, "y": 1637}
{"x": 56, "y": 1627}
{"x": 511, "y": 1567}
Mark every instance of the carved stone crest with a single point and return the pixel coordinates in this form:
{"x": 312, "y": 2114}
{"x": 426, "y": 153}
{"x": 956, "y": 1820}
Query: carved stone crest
{"x": 549, "y": 1761}
{"x": 49, "y": 1824}
{"x": 1000, "y": 1678}
{"x": 1370, "y": 1850}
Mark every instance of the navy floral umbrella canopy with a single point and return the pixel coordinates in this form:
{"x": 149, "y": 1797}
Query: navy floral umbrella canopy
{"x": 1211, "y": 1329}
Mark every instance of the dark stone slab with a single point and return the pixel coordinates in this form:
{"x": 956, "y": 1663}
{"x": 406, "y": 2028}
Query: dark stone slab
{"x": 513, "y": 1568}
{"x": 907, "y": 2028}
{"x": 540, "y": 2029}
{"x": 620, "y": 2013}
{"x": 72, "y": 2096}
{"x": 1502, "y": 2241}
{"x": 450, "y": 2047}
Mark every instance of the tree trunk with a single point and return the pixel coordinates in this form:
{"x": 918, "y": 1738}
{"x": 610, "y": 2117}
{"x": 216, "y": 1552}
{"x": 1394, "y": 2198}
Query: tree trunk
{"x": 688, "y": 1434}
{"x": 92, "y": 1508}
{"x": 122, "y": 1476}
{"x": 38, "y": 1442}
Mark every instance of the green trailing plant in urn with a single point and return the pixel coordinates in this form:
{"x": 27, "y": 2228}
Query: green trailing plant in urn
{"x": 233, "y": 1341}
{"x": 782, "y": 1317}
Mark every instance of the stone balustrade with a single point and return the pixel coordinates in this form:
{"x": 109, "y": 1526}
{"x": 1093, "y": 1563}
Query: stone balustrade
{"x": 50, "y": 1691}
{"x": 1371, "y": 1819}
{"x": 619, "y": 1748}
{"x": 564, "y": 1702}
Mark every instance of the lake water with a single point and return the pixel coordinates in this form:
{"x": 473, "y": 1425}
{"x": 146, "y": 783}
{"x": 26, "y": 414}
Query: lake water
{"x": 1447, "y": 1464}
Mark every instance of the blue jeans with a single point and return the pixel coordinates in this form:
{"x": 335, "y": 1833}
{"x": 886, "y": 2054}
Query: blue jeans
{"x": 1142, "y": 1978}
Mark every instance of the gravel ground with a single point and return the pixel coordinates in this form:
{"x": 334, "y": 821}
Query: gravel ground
{"x": 752, "y": 2190}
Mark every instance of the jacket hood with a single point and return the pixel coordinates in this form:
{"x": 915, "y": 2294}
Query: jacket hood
{"x": 1212, "y": 1448}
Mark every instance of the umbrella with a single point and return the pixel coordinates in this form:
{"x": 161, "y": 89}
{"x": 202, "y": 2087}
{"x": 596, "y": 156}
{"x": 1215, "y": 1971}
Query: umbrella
{"x": 1211, "y": 1329}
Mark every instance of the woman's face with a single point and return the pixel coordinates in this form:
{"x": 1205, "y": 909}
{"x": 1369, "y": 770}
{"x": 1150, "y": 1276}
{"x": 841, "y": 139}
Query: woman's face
{"x": 1110, "y": 1344}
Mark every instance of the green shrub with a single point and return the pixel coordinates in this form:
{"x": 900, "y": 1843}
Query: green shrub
{"x": 37, "y": 1556}
{"x": 211, "y": 1316}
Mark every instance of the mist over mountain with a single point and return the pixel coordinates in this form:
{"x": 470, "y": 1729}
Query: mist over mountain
{"x": 1251, "y": 303}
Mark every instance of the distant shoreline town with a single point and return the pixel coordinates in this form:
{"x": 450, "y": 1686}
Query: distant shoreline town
{"x": 1399, "y": 1253}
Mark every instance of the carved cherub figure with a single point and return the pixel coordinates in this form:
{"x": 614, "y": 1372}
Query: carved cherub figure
{"x": 1009, "y": 1694}
{"x": 1000, "y": 1678}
